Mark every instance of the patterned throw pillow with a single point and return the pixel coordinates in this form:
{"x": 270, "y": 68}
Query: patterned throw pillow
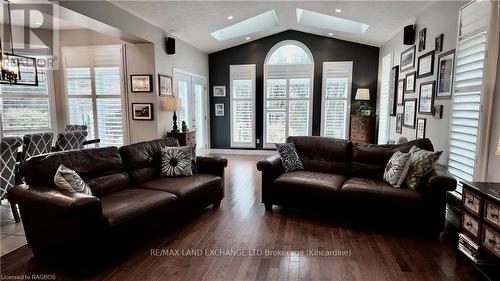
{"x": 69, "y": 180}
{"x": 397, "y": 168}
{"x": 289, "y": 157}
{"x": 194, "y": 164}
{"x": 421, "y": 163}
{"x": 176, "y": 161}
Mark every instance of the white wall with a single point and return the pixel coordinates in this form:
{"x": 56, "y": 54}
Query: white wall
{"x": 442, "y": 17}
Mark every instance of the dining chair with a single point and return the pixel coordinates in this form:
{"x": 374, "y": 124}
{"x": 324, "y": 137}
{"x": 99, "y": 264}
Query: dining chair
{"x": 70, "y": 140}
{"x": 9, "y": 148}
{"x": 35, "y": 144}
{"x": 71, "y": 127}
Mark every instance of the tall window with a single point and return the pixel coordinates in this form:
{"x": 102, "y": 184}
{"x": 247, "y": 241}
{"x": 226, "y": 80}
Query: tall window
{"x": 94, "y": 89}
{"x": 27, "y": 109}
{"x": 383, "y": 130}
{"x": 468, "y": 92}
{"x": 242, "y": 91}
{"x": 336, "y": 101}
{"x": 288, "y": 82}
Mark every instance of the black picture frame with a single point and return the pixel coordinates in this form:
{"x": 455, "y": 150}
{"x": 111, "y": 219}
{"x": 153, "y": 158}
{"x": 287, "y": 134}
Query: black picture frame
{"x": 438, "y": 43}
{"x": 148, "y": 117}
{"x": 414, "y": 84}
{"x": 165, "y": 90}
{"x": 401, "y": 92}
{"x": 420, "y": 128}
{"x": 445, "y": 73}
{"x": 428, "y": 98}
{"x": 399, "y": 123}
{"x": 393, "y": 90}
{"x": 422, "y": 35}
{"x": 430, "y": 72}
{"x": 133, "y": 86}
{"x": 438, "y": 111}
{"x": 404, "y": 63}
{"x": 413, "y": 103}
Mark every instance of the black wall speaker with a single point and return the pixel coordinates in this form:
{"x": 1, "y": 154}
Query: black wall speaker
{"x": 409, "y": 35}
{"x": 170, "y": 45}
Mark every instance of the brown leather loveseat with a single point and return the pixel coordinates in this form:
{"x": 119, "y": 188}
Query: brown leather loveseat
{"x": 347, "y": 177}
{"x": 127, "y": 194}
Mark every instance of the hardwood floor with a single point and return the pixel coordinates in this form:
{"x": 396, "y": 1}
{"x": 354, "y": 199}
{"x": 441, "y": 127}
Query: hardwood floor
{"x": 241, "y": 223}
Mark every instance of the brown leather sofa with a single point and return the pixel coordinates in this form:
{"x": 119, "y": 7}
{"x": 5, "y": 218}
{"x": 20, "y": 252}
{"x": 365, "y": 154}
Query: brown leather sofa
{"x": 129, "y": 196}
{"x": 344, "y": 177}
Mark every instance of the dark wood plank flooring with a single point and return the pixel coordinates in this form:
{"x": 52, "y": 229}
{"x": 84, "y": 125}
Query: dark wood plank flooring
{"x": 242, "y": 223}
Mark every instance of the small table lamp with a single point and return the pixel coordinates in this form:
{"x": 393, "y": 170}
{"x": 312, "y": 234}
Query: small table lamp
{"x": 362, "y": 94}
{"x": 172, "y": 104}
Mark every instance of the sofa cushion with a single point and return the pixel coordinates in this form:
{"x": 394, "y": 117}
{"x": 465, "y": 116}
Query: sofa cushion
{"x": 109, "y": 183}
{"x": 326, "y": 155}
{"x": 88, "y": 163}
{"x": 369, "y": 160}
{"x": 142, "y": 160}
{"x": 131, "y": 205}
{"x": 371, "y": 188}
{"x": 307, "y": 180}
{"x": 190, "y": 190}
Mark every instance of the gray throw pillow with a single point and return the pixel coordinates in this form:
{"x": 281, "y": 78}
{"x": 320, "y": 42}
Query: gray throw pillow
{"x": 289, "y": 157}
{"x": 69, "y": 180}
{"x": 421, "y": 163}
{"x": 176, "y": 161}
{"x": 397, "y": 168}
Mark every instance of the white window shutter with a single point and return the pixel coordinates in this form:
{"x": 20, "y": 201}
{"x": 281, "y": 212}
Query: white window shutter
{"x": 383, "y": 123}
{"x": 242, "y": 91}
{"x": 336, "y": 99}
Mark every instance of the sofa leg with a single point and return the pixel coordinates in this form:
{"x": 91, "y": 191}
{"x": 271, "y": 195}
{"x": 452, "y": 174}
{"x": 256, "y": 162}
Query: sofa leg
{"x": 216, "y": 204}
{"x": 269, "y": 207}
{"x": 15, "y": 212}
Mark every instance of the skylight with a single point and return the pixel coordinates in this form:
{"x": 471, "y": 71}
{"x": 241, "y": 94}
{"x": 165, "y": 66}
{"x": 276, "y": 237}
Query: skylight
{"x": 254, "y": 24}
{"x": 317, "y": 20}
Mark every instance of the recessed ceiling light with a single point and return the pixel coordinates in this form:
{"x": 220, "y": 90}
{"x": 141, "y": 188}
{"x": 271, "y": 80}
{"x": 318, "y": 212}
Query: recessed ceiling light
{"x": 248, "y": 38}
{"x": 331, "y": 34}
{"x": 338, "y": 10}
{"x": 230, "y": 17}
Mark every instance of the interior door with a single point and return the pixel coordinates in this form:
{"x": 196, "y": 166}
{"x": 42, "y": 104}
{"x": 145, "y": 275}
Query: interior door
{"x": 200, "y": 112}
{"x": 184, "y": 92}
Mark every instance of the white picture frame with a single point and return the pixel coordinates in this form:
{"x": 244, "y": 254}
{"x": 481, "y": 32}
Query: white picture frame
{"x": 219, "y": 109}
{"x": 219, "y": 91}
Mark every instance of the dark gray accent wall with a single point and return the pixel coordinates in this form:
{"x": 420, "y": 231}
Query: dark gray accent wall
{"x": 323, "y": 49}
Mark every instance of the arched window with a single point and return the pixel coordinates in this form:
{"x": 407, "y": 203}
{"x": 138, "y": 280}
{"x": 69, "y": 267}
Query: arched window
{"x": 288, "y": 83}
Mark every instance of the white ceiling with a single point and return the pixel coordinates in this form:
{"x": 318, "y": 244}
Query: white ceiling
{"x": 193, "y": 21}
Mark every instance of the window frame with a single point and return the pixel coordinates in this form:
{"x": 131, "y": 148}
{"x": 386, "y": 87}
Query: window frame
{"x": 253, "y": 99}
{"x": 286, "y": 67}
{"x": 93, "y": 96}
{"x": 51, "y": 102}
{"x": 348, "y": 98}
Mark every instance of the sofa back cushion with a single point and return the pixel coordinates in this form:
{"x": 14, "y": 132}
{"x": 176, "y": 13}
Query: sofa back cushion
{"x": 369, "y": 160}
{"x": 94, "y": 163}
{"x": 142, "y": 160}
{"x": 326, "y": 155}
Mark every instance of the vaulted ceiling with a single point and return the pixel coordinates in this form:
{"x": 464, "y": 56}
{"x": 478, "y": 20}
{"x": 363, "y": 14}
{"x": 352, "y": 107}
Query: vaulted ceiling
{"x": 193, "y": 21}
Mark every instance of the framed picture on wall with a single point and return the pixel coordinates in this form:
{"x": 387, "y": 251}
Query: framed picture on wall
{"x": 425, "y": 65}
{"x": 438, "y": 46}
{"x": 422, "y": 34}
{"x": 165, "y": 85}
{"x": 141, "y": 83}
{"x": 420, "y": 134}
{"x": 438, "y": 111}
{"x": 401, "y": 86}
{"x": 399, "y": 123}
{"x": 446, "y": 63}
{"x": 219, "y": 109}
{"x": 407, "y": 59}
{"x": 142, "y": 111}
{"x": 410, "y": 81}
{"x": 393, "y": 90}
{"x": 409, "y": 113}
{"x": 219, "y": 91}
{"x": 426, "y": 97}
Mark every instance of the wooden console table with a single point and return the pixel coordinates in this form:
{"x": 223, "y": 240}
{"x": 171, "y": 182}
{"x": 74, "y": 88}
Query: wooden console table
{"x": 188, "y": 138}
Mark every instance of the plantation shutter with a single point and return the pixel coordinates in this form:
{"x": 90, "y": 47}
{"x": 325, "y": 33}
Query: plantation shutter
{"x": 383, "y": 122}
{"x": 466, "y": 103}
{"x": 242, "y": 91}
{"x": 337, "y": 83}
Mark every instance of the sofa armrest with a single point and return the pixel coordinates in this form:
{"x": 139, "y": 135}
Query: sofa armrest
{"x": 440, "y": 180}
{"x": 271, "y": 169}
{"x": 212, "y": 164}
{"x": 50, "y": 200}
{"x": 271, "y": 163}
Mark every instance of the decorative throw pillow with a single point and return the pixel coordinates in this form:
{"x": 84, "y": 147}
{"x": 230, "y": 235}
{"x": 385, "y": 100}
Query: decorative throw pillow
{"x": 176, "y": 161}
{"x": 69, "y": 180}
{"x": 289, "y": 157}
{"x": 194, "y": 165}
{"x": 421, "y": 163}
{"x": 397, "y": 168}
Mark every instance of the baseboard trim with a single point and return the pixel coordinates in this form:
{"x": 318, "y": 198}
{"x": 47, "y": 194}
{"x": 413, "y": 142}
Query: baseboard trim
{"x": 242, "y": 152}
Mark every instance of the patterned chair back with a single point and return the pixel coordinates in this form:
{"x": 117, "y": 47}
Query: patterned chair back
{"x": 70, "y": 128}
{"x": 35, "y": 144}
{"x": 9, "y": 147}
{"x": 70, "y": 140}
